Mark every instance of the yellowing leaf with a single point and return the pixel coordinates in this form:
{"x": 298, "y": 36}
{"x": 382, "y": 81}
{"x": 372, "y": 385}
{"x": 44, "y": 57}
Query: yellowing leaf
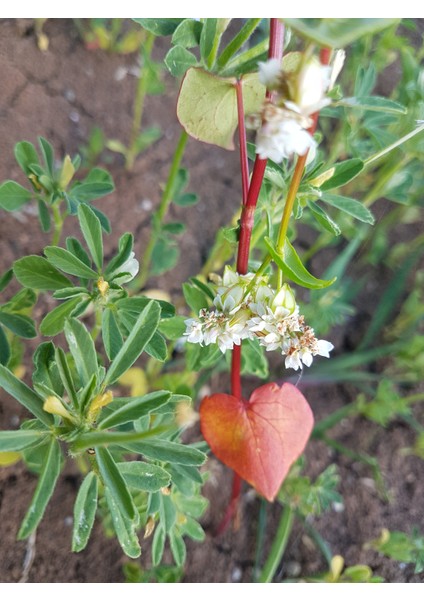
{"x": 67, "y": 173}
{"x": 9, "y": 458}
{"x": 207, "y": 105}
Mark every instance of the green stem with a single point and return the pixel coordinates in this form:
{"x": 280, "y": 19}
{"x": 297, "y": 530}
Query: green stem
{"x": 159, "y": 216}
{"x": 58, "y": 224}
{"x": 244, "y": 57}
{"x": 399, "y": 142}
{"x": 279, "y": 545}
{"x": 236, "y": 43}
{"x": 97, "y": 325}
{"x": 145, "y": 53}
{"x": 378, "y": 189}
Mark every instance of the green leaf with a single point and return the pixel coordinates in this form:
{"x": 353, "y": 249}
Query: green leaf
{"x": 195, "y": 298}
{"x": 13, "y": 195}
{"x": 178, "y": 547}
{"x": 187, "y": 199}
{"x": 68, "y": 262}
{"x": 26, "y": 155}
{"x": 146, "y": 138}
{"x": 323, "y": 219}
{"x": 114, "y": 481}
{"x": 5, "y": 279}
{"x": 350, "y": 206}
{"x": 174, "y": 228}
{"x": 82, "y": 349}
{"x": 111, "y": 335}
{"x": 207, "y": 105}
{"x": 201, "y": 357}
{"x": 92, "y": 232}
{"x": 158, "y": 545}
{"x": 4, "y": 348}
{"x": 75, "y": 246}
{"x": 170, "y": 452}
{"x": 374, "y": 103}
{"x": 43, "y": 215}
{"x": 54, "y": 322}
{"x": 86, "y": 192}
{"x": 254, "y": 361}
{"x": 178, "y": 60}
{"x": 45, "y": 368}
{"x": 337, "y": 33}
{"x": 167, "y": 513}
{"x": 157, "y": 348}
{"x": 187, "y": 34}
{"x": 70, "y": 292}
{"x": 18, "y": 440}
{"x": 136, "y": 304}
{"x": 24, "y": 395}
{"x": 144, "y": 476}
{"x": 84, "y": 512}
{"x": 340, "y": 174}
{"x": 134, "y": 409}
{"x": 164, "y": 256}
{"x": 159, "y": 26}
{"x": 18, "y": 324}
{"x": 192, "y": 528}
{"x": 117, "y": 438}
{"x": 43, "y": 491}
{"x": 48, "y": 155}
{"x": 292, "y": 267}
{"x": 135, "y": 343}
{"x": 37, "y": 273}
{"x": 125, "y": 247}
{"x": 124, "y": 528}
{"x": 173, "y": 328}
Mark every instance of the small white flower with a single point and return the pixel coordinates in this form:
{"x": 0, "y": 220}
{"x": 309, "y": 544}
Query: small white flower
{"x": 279, "y": 140}
{"x": 324, "y": 348}
{"x": 194, "y": 331}
{"x": 269, "y": 72}
{"x": 293, "y": 361}
{"x": 336, "y": 66}
{"x": 129, "y": 270}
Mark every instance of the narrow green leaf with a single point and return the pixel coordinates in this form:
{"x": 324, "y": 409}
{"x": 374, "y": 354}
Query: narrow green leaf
{"x": 125, "y": 247}
{"x": 144, "y": 476}
{"x": 37, "y": 273}
{"x": 18, "y": 324}
{"x": 341, "y": 173}
{"x": 24, "y": 395}
{"x": 82, "y": 349}
{"x": 171, "y": 452}
{"x": 48, "y": 154}
{"x": 167, "y": 513}
{"x": 124, "y": 528}
{"x": 92, "y": 232}
{"x": 178, "y": 60}
{"x": 137, "y": 304}
{"x": 157, "y": 348}
{"x": 26, "y": 155}
{"x": 44, "y": 215}
{"x": 323, "y": 219}
{"x": 66, "y": 376}
{"x": 135, "y": 408}
{"x": 204, "y": 287}
{"x": 195, "y": 298}
{"x": 207, "y": 39}
{"x": 192, "y": 528}
{"x": 68, "y": 262}
{"x": 70, "y": 292}
{"x": 43, "y": 491}
{"x": 4, "y": 348}
{"x": 135, "y": 343}
{"x": 165, "y": 256}
{"x": 54, "y": 322}
{"x": 13, "y": 195}
{"x": 111, "y": 335}
{"x": 158, "y": 545}
{"x": 187, "y": 199}
{"x": 86, "y": 192}
{"x": 114, "y": 481}
{"x": 350, "y": 206}
{"x": 5, "y": 279}
{"x": 75, "y": 246}
{"x": 178, "y": 547}
{"x": 84, "y": 512}
{"x": 117, "y": 438}
{"x": 292, "y": 267}
{"x": 374, "y": 103}
{"x": 238, "y": 41}
{"x": 18, "y": 440}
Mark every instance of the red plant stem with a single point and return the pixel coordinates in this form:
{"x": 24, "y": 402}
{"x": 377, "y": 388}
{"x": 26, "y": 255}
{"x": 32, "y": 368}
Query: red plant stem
{"x": 250, "y": 198}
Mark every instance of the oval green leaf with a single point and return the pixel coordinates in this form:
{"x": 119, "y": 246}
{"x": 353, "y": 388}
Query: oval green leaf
{"x": 37, "y": 273}
{"x": 84, "y": 512}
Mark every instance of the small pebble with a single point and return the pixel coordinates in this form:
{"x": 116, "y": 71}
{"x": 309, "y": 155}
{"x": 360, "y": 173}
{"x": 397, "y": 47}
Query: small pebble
{"x": 74, "y": 116}
{"x": 14, "y": 420}
{"x": 146, "y": 204}
{"x": 120, "y": 73}
{"x": 236, "y": 575}
{"x": 69, "y": 95}
{"x": 68, "y": 521}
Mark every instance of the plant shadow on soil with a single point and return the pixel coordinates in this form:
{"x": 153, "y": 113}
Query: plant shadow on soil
{"x": 61, "y": 94}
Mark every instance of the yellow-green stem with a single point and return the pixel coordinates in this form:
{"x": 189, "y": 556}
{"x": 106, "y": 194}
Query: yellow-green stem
{"x": 58, "y": 224}
{"x": 279, "y": 545}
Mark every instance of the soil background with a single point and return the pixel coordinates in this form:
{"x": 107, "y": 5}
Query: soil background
{"x": 61, "y": 94}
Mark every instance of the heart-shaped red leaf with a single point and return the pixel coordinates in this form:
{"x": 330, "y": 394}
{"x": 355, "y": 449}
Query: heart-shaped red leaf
{"x": 259, "y": 439}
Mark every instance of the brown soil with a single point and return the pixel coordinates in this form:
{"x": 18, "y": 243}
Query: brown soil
{"x": 61, "y": 94}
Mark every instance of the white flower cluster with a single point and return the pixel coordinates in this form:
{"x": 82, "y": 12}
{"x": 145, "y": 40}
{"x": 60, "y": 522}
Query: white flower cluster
{"x": 248, "y": 308}
{"x": 300, "y": 92}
